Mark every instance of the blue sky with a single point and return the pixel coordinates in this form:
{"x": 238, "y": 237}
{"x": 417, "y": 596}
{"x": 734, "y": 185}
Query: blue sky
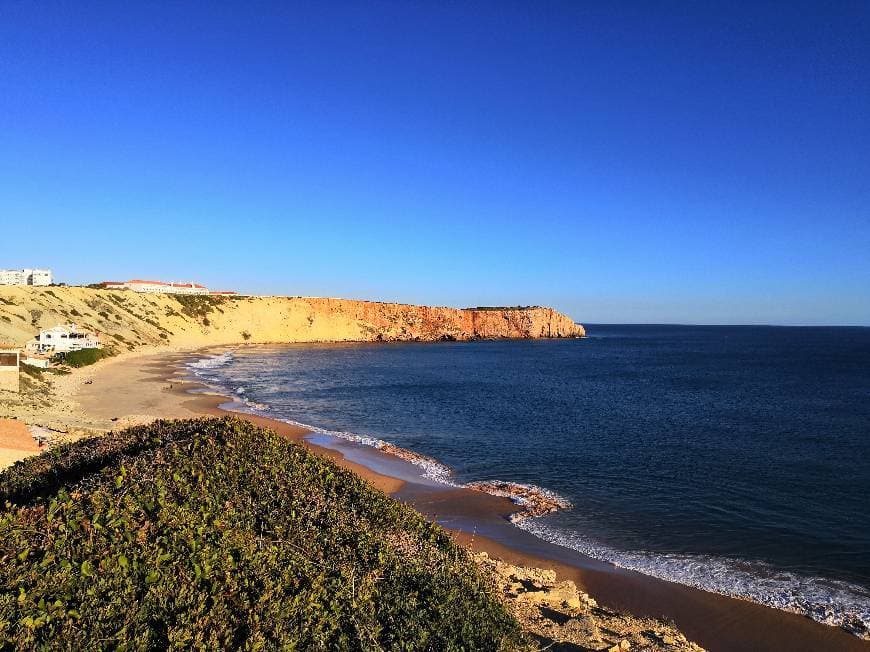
{"x": 623, "y": 162}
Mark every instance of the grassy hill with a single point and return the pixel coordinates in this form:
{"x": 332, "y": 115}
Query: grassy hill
{"x": 215, "y": 534}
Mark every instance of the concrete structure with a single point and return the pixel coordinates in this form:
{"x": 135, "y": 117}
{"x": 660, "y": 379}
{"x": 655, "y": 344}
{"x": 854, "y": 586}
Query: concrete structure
{"x": 139, "y": 285}
{"x": 12, "y": 277}
{"x": 63, "y": 339}
{"x": 36, "y": 361}
{"x": 41, "y": 277}
{"x": 26, "y": 277}
{"x": 9, "y": 367}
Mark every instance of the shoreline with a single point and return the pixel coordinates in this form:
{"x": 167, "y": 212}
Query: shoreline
{"x": 476, "y": 519}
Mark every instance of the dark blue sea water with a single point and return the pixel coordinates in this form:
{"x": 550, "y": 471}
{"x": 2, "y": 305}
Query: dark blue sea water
{"x": 735, "y": 459}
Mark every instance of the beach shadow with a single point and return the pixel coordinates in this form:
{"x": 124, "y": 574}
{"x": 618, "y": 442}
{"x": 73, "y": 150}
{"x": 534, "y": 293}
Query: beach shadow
{"x": 556, "y": 646}
{"x": 556, "y": 616}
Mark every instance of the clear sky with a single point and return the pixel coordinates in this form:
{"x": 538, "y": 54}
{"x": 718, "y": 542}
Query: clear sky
{"x": 624, "y": 162}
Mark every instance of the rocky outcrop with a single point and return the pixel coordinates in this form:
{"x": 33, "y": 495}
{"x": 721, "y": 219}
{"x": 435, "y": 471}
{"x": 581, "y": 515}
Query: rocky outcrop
{"x": 534, "y": 501}
{"x": 557, "y": 616}
{"x": 128, "y": 320}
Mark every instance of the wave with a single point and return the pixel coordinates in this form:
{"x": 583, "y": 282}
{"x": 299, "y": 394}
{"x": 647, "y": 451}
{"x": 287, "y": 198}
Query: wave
{"x": 212, "y": 362}
{"x": 238, "y": 395}
{"x": 432, "y": 469}
{"x": 831, "y": 602}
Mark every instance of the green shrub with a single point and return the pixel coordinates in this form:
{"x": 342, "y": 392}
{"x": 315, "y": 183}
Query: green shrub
{"x": 31, "y": 370}
{"x": 84, "y": 357}
{"x": 216, "y": 534}
{"x": 197, "y": 306}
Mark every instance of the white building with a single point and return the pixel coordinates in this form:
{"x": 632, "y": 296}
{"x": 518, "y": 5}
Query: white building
{"x": 41, "y": 361}
{"x": 25, "y": 277}
{"x": 62, "y": 339}
{"x": 12, "y": 277}
{"x": 139, "y": 285}
{"x": 40, "y": 277}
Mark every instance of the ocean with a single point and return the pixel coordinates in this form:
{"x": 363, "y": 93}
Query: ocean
{"x": 732, "y": 459}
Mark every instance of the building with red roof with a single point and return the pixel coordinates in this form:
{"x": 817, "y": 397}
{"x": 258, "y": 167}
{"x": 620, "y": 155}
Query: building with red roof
{"x": 142, "y": 285}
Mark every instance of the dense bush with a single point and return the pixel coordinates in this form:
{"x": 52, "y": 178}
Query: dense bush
{"x": 84, "y": 357}
{"x": 215, "y": 534}
{"x": 31, "y": 370}
{"x": 198, "y": 306}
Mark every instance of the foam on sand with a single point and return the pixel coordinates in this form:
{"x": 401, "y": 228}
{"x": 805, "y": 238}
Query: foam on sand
{"x": 827, "y": 601}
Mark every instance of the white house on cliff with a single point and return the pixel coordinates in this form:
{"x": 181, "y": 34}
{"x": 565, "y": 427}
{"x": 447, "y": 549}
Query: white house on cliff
{"x": 63, "y": 339}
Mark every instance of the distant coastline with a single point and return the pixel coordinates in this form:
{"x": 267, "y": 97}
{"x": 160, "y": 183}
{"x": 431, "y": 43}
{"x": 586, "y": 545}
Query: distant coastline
{"x": 129, "y": 320}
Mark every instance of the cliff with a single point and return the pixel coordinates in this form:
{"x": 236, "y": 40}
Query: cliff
{"x": 128, "y": 320}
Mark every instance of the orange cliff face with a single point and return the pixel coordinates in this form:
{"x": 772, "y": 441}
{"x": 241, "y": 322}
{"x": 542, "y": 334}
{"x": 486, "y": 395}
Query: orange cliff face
{"x": 398, "y": 322}
{"x": 127, "y": 320}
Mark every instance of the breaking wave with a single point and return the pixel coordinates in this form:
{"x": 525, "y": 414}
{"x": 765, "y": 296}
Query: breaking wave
{"x": 202, "y": 368}
{"x": 431, "y": 468}
{"x": 212, "y": 362}
{"x": 827, "y": 601}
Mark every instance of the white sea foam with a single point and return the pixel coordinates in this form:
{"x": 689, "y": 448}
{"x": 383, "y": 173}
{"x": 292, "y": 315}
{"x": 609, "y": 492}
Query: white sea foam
{"x": 212, "y": 362}
{"x": 432, "y": 469}
{"x": 828, "y": 601}
{"x": 257, "y": 407}
{"x": 241, "y": 402}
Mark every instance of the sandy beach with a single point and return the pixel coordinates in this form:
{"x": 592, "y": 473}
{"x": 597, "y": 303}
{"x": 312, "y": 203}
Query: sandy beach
{"x": 141, "y": 387}
{"x": 16, "y": 442}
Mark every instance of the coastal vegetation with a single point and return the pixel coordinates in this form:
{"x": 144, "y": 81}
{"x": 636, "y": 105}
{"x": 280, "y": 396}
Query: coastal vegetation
{"x": 198, "y": 306}
{"x": 83, "y": 357}
{"x": 216, "y": 534}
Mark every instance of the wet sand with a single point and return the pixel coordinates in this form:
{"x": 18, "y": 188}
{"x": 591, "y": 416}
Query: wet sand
{"x": 156, "y": 387}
